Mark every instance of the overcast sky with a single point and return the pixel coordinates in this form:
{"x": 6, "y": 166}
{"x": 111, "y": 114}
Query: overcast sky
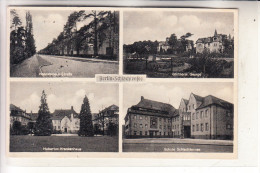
{"x": 47, "y": 24}
{"x": 146, "y": 25}
{"x": 172, "y": 93}
{"x": 63, "y": 95}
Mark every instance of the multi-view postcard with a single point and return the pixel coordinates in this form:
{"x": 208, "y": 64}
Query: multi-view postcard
{"x": 58, "y": 107}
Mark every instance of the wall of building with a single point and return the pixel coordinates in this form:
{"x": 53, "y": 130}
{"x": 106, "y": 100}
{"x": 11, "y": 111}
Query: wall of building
{"x": 139, "y": 126}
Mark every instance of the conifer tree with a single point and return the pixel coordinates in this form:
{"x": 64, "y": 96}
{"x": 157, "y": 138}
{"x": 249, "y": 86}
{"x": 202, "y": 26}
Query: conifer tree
{"x": 43, "y": 122}
{"x": 85, "y": 116}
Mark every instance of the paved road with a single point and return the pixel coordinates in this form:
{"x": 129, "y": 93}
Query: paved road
{"x": 51, "y": 66}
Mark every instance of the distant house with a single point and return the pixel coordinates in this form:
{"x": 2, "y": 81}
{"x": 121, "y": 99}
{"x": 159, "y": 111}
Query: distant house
{"x": 213, "y": 44}
{"x": 164, "y": 46}
{"x": 17, "y": 114}
{"x": 66, "y": 120}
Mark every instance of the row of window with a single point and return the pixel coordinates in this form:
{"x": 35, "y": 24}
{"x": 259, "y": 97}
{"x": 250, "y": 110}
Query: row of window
{"x": 146, "y": 126}
{"x": 200, "y": 127}
{"x": 146, "y": 118}
{"x": 151, "y": 133}
{"x": 176, "y": 126}
{"x": 200, "y": 114}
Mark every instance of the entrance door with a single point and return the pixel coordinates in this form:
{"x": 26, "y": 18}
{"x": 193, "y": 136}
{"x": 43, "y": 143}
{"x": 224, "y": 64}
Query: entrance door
{"x": 151, "y": 134}
{"x": 187, "y": 132}
{"x": 65, "y": 130}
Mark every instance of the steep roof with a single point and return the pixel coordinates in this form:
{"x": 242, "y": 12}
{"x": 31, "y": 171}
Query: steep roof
{"x": 13, "y": 107}
{"x": 61, "y": 113}
{"x": 150, "y": 104}
{"x": 198, "y": 98}
{"x": 185, "y": 101}
{"x": 209, "y": 100}
{"x": 112, "y": 107}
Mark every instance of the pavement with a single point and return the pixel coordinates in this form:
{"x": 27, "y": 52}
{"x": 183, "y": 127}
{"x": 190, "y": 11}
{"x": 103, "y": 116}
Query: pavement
{"x": 178, "y": 141}
{"x": 62, "y": 66}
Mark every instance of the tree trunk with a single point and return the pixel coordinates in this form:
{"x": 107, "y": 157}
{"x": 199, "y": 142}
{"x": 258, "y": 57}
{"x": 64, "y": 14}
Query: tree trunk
{"x": 95, "y": 35}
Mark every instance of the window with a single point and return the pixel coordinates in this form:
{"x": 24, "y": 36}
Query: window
{"x": 141, "y": 133}
{"x": 160, "y": 126}
{"x": 146, "y": 125}
{"x": 197, "y": 115}
{"x": 164, "y": 119}
{"x": 146, "y": 118}
{"x": 140, "y": 117}
{"x": 135, "y": 125}
{"x": 164, "y": 133}
{"x": 160, "y": 119}
{"x": 160, "y": 133}
{"x": 141, "y": 125}
{"x": 202, "y": 127}
{"x": 193, "y": 128}
{"x": 145, "y": 133}
{"x": 207, "y": 126}
{"x": 135, "y": 133}
{"x": 169, "y": 120}
{"x": 229, "y": 126}
{"x": 178, "y": 127}
{"x": 169, "y": 127}
{"x": 197, "y": 127}
{"x": 164, "y": 127}
{"x": 206, "y": 113}
{"x": 202, "y": 114}
{"x": 173, "y": 119}
{"x": 193, "y": 106}
{"x": 193, "y": 116}
{"x": 177, "y": 118}
{"x": 228, "y": 113}
{"x": 135, "y": 117}
{"x": 189, "y": 107}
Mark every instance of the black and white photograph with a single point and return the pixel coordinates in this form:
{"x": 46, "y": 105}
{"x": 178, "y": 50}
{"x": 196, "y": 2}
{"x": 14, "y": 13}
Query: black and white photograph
{"x": 62, "y": 42}
{"x": 179, "y": 43}
{"x": 63, "y": 117}
{"x": 178, "y": 117}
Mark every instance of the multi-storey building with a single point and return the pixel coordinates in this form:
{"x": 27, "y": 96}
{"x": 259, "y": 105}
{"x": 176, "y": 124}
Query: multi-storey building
{"x": 106, "y": 117}
{"x": 17, "y": 114}
{"x": 212, "y": 44}
{"x": 205, "y": 117}
{"x": 149, "y": 119}
{"x": 65, "y": 120}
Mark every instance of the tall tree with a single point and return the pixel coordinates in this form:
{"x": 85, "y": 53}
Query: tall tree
{"x": 172, "y": 41}
{"x": 43, "y": 122}
{"x": 98, "y": 17}
{"x": 85, "y": 116}
{"x": 16, "y": 21}
{"x": 30, "y": 48}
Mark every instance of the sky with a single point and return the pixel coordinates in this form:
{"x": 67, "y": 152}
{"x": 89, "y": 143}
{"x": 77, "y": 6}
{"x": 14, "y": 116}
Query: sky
{"x": 63, "y": 95}
{"x": 147, "y": 25}
{"x": 172, "y": 93}
{"x": 47, "y": 24}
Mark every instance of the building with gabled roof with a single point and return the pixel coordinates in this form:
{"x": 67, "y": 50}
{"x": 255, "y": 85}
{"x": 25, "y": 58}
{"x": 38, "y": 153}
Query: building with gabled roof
{"x": 65, "y": 120}
{"x": 149, "y": 118}
{"x": 213, "y": 44}
{"x": 205, "y": 117}
{"x": 17, "y": 114}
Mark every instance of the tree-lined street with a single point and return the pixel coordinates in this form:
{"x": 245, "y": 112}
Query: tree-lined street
{"x": 51, "y": 65}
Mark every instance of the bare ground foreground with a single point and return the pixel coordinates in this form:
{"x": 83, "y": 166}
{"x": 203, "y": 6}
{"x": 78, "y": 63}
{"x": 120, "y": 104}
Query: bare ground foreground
{"x": 61, "y": 66}
{"x": 177, "y": 145}
{"x": 63, "y": 144}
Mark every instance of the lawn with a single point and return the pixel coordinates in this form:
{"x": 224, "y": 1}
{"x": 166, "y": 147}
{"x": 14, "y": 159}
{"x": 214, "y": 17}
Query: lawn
{"x": 63, "y": 144}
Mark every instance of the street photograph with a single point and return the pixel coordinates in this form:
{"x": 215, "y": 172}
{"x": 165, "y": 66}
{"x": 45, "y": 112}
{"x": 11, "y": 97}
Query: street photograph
{"x": 179, "y": 44}
{"x": 53, "y": 42}
{"x": 178, "y": 117}
{"x": 63, "y": 117}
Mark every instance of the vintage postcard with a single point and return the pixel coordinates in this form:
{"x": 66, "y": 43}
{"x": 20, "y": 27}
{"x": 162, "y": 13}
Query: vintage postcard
{"x": 181, "y": 117}
{"x": 179, "y": 43}
{"x": 63, "y": 117}
{"x": 106, "y": 82}
{"x": 53, "y": 42}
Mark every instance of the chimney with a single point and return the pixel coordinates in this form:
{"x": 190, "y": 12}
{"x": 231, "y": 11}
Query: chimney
{"x": 142, "y": 97}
